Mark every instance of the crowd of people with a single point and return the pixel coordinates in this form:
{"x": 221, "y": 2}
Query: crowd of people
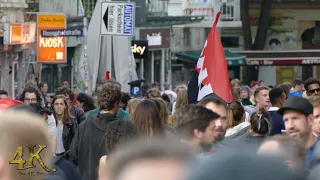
{"x": 267, "y": 133}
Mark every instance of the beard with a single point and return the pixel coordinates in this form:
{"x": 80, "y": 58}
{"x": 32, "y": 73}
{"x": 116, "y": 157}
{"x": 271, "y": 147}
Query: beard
{"x": 206, "y": 147}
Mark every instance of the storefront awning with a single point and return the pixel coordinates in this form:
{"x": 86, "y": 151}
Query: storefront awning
{"x": 233, "y": 59}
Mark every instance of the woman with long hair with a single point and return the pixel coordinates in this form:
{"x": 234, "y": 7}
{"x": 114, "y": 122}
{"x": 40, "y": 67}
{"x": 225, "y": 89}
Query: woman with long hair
{"x": 147, "y": 120}
{"x": 236, "y": 119}
{"x": 66, "y": 125}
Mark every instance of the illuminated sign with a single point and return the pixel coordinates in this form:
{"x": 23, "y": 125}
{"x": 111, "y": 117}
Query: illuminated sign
{"x": 51, "y": 49}
{"x": 139, "y": 49}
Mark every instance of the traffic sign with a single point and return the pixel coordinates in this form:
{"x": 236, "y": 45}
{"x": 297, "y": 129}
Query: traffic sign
{"x": 117, "y": 18}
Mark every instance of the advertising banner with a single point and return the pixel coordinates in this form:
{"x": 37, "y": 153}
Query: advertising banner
{"x": 51, "y": 49}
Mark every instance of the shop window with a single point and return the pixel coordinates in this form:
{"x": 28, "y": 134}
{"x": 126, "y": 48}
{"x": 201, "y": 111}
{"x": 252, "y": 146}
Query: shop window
{"x": 230, "y": 42}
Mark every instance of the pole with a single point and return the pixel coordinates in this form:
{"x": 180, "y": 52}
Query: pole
{"x": 85, "y": 61}
{"x": 130, "y": 56}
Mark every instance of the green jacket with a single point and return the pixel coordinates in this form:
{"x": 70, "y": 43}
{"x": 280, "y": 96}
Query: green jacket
{"x": 122, "y": 114}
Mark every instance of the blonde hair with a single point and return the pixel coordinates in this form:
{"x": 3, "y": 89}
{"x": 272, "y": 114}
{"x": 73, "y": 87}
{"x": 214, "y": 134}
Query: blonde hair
{"x": 163, "y": 111}
{"x": 21, "y": 129}
{"x": 132, "y": 105}
{"x": 182, "y": 98}
{"x": 154, "y": 93}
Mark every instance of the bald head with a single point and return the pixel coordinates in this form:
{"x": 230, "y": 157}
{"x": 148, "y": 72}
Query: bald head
{"x": 17, "y": 131}
{"x": 291, "y": 150}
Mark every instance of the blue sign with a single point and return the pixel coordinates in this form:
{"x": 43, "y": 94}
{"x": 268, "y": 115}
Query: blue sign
{"x": 62, "y": 32}
{"x": 128, "y": 19}
{"x": 135, "y": 91}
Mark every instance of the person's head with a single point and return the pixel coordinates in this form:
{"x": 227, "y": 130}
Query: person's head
{"x": 182, "y": 98}
{"x": 65, "y": 84}
{"x": 245, "y": 92}
{"x": 119, "y": 132}
{"x": 155, "y": 85}
{"x": 17, "y": 130}
{"x": 236, "y": 114}
{"x": 236, "y": 94}
{"x": 60, "y": 108}
{"x": 154, "y": 93}
{"x": 297, "y": 85}
{"x": 3, "y": 94}
{"x": 315, "y": 101}
{"x": 125, "y": 97}
{"x": 132, "y": 106}
{"x": 196, "y": 125}
{"x": 297, "y": 116}
{"x": 261, "y": 83}
{"x": 277, "y": 97}
{"x": 242, "y": 164}
{"x": 275, "y": 44}
{"x": 67, "y": 93}
{"x": 291, "y": 150}
{"x": 85, "y": 102}
{"x": 253, "y": 86}
{"x": 261, "y": 96}
{"x": 30, "y": 95}
{"x": 109, "y": 96}
{"x": 166, "y": 99}
{"x": 220, "y": 107}
{"x": 145, "y": 88}
{"x": 312, "y": 86}
{"x": 260, "y": 122}
{"x": 43, "y": 87}
{"x": 147, "y": 119}
{"x": 286, "y": 87}
{"x": 163, "y": 111}
{"x": 180, "y": 87}
{"x": 145, "y": 160}
{"x": 235, "y": 84}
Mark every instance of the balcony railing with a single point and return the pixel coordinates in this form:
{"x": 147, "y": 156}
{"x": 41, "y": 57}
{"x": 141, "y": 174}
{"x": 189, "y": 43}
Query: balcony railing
{"x": 230, "y": 9}
{"x": 157, "y": 8}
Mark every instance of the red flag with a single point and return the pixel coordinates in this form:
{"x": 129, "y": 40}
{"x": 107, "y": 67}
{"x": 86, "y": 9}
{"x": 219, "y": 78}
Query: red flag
{"x": 107, "y": 77}
{"x": 212, "y": 68}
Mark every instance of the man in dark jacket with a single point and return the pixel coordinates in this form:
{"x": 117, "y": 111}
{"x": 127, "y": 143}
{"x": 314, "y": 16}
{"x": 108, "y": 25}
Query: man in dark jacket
{"x": 277, "y": 99}
{"x": 88, "y": 145}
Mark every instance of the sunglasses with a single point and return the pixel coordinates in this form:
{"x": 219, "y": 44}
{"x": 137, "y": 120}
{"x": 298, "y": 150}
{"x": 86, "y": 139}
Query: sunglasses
{"x": 314, "y": 90}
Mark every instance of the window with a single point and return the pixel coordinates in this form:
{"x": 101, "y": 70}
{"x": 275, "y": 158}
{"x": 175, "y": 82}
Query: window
{"x": 230, "y": 42}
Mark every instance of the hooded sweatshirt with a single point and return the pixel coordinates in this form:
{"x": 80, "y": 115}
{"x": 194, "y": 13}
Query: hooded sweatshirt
{"x": 89, "y": 145}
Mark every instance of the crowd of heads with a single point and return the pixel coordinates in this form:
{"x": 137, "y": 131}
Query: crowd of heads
{"x": 162, "y": 133}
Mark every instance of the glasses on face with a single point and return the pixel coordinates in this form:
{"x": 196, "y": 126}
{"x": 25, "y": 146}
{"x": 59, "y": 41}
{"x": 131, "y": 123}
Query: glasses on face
{"x": 30, "y": 100}
{"x": 314, "y": 90}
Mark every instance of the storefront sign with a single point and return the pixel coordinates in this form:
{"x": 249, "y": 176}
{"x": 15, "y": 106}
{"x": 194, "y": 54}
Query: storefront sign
{"x": 19, "y": 33}
{"x": 157, "y": 38}
{"x": 28, "y": 33}
{"x": 283, "y": 62}
{"x": 15, "y": 33}
{"x": 51, "y": 49}
{"x": 75, "y": 32}
{"x": 139, "y": 49}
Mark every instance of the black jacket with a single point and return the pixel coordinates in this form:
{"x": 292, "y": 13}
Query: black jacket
{"x": 68, "y": 133}
{"x": 89, "y": 145}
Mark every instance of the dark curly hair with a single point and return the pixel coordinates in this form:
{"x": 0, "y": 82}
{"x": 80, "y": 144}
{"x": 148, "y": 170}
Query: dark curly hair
{"x": 310, "y": 81}
{"x": 88, "y": 102}
{"x": 31, "y": 90}
{"x": 65, "y": 91}
{"x": 119, "y": 132}
{"x": 108, "y": 95}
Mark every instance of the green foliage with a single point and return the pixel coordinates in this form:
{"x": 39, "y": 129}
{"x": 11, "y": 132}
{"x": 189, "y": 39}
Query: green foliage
{"x": 87, "y": 5}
